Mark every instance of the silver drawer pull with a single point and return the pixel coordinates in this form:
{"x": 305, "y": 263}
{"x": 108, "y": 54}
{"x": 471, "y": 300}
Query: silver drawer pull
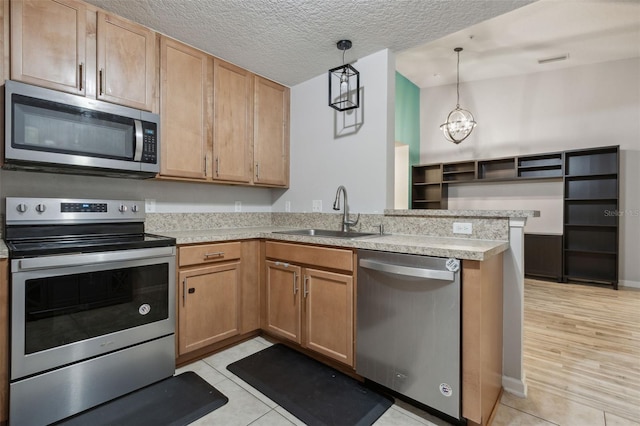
{"x": 214, "y": 254}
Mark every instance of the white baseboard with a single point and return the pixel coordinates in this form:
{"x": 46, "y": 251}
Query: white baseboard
{"x": 518, "y": 387}
{"x": 629, "y": 283}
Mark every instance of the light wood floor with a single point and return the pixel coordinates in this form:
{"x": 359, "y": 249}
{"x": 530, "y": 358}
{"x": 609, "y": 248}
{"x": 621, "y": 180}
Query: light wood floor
{"x": 583, "y": 343}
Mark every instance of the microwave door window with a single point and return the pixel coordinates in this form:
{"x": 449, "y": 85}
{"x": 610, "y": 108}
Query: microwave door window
{"x": 76, "y": 131}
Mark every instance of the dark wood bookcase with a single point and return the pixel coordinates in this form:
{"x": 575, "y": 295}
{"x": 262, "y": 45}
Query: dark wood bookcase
{"x": 427, "y": 190}
{"x": 591, "y": 213}
{"x": 543, "y": 256}
{"x": 590, "y": 240}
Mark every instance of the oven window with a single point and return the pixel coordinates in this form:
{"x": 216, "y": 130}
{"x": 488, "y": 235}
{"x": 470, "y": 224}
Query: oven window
{"x": 69, "y": 308}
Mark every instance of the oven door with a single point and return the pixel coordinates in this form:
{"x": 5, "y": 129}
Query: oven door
{"x": 68, "y": 308}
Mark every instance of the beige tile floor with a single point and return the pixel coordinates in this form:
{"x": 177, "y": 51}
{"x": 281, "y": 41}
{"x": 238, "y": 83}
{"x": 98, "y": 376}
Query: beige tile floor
{"x": 248, "y": 406}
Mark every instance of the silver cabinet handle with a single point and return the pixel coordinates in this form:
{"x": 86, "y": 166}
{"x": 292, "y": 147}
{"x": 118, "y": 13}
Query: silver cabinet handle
{"x": 306, "y": 286}
{"x": 204, "y": 165}
{"x": 217, "y": 166}
{"x": 80, "y": 66}
{"x": 214, "y": 254}
{"x": 257, "y": 171}
{"x": 407, "y": 270}
{"x": 295, "y": 283}
{"x": 100, "y": 82}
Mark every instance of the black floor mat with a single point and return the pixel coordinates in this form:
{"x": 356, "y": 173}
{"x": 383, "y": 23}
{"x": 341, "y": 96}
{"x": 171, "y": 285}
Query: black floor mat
{"x": 311, "y": 391}
{"x": 178, "y": 400}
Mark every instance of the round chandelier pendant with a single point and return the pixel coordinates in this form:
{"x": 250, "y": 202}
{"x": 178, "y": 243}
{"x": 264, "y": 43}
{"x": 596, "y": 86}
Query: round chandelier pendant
{"x": 460, "y": 122}
{"x": 458, "y": 126}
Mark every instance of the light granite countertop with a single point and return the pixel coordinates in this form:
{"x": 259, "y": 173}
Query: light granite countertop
{"x": 460, "y": 248}
{"x": 464, "y": 213}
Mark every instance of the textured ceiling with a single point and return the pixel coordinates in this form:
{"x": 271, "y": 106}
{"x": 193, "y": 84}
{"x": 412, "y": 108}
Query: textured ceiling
{"x": 291, "y": 41}
{"x": 589, "y": 31}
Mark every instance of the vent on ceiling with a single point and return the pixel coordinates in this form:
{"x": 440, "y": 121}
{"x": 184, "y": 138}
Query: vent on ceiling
{"x": 554, "y": 59}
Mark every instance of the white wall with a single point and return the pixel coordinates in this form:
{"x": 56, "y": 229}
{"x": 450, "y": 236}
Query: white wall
{"x": 171, "y": 197}
{"x": 580, "y": 107}
{"x": 353, "y": 148}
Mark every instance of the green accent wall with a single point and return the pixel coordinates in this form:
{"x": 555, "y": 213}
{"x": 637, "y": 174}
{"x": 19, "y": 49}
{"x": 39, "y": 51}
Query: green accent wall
{"x": 408, "y": 119}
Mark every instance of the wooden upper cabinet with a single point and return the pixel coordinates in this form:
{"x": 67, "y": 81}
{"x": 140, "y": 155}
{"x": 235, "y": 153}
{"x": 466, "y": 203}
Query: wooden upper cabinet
{"x": 271, "y": 133}
{"x": 183, "y": 110}
{"x": 48, "y": 43}
{"x": 232, "y": 122}
{"x": 126, "y": 62}
{"x": 66, "y": 45}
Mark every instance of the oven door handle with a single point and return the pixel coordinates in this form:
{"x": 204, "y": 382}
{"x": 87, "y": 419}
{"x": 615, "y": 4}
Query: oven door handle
{"x": 84, "y": 259}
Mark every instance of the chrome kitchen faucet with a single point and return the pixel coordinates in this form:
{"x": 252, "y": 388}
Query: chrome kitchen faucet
{"x": 346, "y": 223}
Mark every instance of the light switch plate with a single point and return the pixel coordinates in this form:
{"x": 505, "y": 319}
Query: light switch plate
{"x": 317, "y": 206}
{"x": 462, "y": 228}
{"x": 238, "y": 206}
{"x": 287, "y": 206}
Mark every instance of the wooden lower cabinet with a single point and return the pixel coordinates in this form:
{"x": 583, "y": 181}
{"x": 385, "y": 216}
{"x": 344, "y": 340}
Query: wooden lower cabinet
{"x": 310, "y": 306}
{"x": 329, "y": 314}
{"x": 208, "y": 305}
{"x": 282, "y": 293}
{"x": 217, "y": 295}
{"x": 482, "y": 322}
{"x": 4, "y": 341}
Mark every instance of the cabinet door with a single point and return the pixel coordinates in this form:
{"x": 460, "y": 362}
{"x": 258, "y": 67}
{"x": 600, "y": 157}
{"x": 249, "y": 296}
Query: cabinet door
{"x": 48, "y": 43}
{"x": 232, "y": 122}
{"x": 208, "y": 305}
{"x": 271, "y": 133}
{"x": 283, "y": 300}
{"x": 329, "y": 314}
{"x": 183, "y": 110}
{"x": 126, "y": 62}
{"x": 4, "y": 342}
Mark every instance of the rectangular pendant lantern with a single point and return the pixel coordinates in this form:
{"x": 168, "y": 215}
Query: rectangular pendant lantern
{"x": 344, "y": 88}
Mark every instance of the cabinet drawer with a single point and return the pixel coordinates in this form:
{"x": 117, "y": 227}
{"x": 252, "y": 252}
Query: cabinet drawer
{"x": 332, "y": 258}
{"x": 209, "y": 253}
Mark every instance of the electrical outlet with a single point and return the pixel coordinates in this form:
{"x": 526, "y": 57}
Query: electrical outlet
{"x": 462, "y": 228}
{"x": 238, "y": 206}
{"x": 150, "y": 205}
{"x": 287, "y": 206}
{"x": 317, "y": 205}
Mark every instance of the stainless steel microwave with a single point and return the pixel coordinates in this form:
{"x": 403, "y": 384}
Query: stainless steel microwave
{"x": 51, "y": 131}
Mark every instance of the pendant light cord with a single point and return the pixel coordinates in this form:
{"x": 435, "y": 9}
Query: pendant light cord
{"x": 457, "y": 81}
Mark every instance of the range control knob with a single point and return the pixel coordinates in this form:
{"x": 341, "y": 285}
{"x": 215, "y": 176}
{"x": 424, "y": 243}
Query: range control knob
{"x": 135, "y": 208}
{"x": 122, "y": 208}
{"x": 22, "y": 207}
{"x": 40, "y": 208}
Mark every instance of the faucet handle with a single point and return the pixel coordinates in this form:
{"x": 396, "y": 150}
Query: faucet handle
{"x": 352, "y": 222}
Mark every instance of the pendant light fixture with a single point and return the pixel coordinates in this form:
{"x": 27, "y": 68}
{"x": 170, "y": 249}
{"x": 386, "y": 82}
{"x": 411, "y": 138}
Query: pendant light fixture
{"x": 459, "y": 122}
{"x": 344, "y": 83}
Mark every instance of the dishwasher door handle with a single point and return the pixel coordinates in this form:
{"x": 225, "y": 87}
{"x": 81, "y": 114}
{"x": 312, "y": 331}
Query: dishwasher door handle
{"x": 409, "y": 271}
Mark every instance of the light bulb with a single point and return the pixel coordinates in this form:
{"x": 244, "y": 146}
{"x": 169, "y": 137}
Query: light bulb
{"x": 344, "y": 82}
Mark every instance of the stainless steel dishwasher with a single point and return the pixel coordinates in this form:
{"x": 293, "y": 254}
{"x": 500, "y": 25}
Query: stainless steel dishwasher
{"x": 408, "y": 326}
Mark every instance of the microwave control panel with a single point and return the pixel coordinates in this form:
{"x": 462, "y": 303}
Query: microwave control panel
{"x": 149, "y": 143}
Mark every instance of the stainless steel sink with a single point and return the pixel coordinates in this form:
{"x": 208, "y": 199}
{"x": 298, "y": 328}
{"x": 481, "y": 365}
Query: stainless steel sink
{"x": 329, "y": 233}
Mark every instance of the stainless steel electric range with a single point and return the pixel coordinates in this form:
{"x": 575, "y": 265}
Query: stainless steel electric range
{"x": 92, "y": 305}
